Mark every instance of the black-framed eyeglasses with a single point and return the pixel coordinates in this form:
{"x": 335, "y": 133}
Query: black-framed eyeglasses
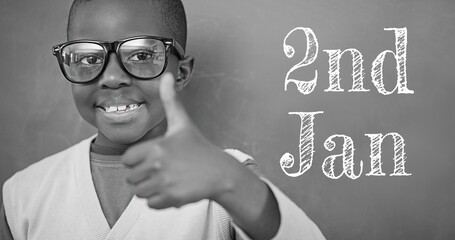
{"x": 144, "y": 57}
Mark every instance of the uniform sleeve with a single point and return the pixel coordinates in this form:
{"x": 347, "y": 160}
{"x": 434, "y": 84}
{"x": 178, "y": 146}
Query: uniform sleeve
{"x": 295, "y": 224}
{"x": 5, "y": 232}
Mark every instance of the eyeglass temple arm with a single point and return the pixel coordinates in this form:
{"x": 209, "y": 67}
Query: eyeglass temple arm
{"x": 179, "y": 48}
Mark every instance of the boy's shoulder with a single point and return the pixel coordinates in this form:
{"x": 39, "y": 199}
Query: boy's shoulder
{"x": 48, "y": 169}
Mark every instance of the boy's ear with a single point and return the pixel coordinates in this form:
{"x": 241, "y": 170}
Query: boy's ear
{"x": 184, "y": 72}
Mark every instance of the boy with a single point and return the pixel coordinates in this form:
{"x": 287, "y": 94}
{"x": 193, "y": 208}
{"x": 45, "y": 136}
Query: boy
{"x": 121, "y": 58}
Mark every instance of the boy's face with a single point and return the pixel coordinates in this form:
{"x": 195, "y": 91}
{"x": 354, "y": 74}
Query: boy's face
{"x": 111, "y": 21}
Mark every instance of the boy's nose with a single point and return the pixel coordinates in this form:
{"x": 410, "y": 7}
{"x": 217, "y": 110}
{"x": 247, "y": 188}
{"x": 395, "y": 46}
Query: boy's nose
{"x": 114, "y": 76}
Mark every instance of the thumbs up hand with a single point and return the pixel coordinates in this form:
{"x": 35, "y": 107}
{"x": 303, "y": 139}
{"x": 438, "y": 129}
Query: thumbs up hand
{"x": 181, "y": 166}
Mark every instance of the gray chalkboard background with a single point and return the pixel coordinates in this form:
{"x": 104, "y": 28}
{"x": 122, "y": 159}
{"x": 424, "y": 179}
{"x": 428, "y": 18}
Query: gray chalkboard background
{"x": 237, "y": 99}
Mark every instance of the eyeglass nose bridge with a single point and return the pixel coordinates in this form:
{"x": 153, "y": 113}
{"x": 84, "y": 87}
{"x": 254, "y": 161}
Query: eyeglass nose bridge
{"x": 111, "y": 47}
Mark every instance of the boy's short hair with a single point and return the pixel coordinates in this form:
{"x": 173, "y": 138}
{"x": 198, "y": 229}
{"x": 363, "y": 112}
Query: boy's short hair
{"x": 172, "y": 15}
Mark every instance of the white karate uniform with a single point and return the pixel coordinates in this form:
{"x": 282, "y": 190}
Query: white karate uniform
{"x": 55, "y": 198}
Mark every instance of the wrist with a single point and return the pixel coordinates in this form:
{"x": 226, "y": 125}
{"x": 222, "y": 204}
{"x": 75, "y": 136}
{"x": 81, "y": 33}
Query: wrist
{"x": 238, "y": 186}
{"x": 248, "y": 200}
{"x": 229, "y": 181}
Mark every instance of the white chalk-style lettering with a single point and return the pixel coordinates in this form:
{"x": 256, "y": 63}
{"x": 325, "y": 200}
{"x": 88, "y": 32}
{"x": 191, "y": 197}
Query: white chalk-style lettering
{"x": 306, "y": 145}
{"x": 305, "y": 87}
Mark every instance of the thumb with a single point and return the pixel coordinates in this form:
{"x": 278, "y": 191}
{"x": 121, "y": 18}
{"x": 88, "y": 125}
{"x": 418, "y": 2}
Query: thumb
{"x": 174, "y": 109}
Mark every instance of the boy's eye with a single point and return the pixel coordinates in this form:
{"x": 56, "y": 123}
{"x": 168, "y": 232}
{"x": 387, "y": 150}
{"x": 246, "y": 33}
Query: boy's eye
{"x": 90, "y": 60}
{"x": 142, "y": 56}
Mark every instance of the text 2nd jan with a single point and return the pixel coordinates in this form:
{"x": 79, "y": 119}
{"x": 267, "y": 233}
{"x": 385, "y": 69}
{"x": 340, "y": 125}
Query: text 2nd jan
{"x": 346, "y": 158}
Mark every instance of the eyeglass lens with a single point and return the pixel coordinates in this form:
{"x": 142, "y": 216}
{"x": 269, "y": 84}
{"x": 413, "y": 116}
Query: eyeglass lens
{"x": 143, "y": 58}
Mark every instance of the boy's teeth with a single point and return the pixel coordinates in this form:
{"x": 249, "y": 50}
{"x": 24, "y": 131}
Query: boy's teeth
{"x": 122, "y": 108}
{"x": 133, "y": 106}
{"x": 111, "y": 109}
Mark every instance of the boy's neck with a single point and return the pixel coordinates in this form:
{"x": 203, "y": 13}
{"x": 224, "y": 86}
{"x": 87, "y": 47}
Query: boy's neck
{"x": 107, "y": 151}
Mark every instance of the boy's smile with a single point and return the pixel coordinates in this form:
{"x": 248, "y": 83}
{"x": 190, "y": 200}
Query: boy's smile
{"x": 120, "y": 110}
{"x": 123, "y": 108}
